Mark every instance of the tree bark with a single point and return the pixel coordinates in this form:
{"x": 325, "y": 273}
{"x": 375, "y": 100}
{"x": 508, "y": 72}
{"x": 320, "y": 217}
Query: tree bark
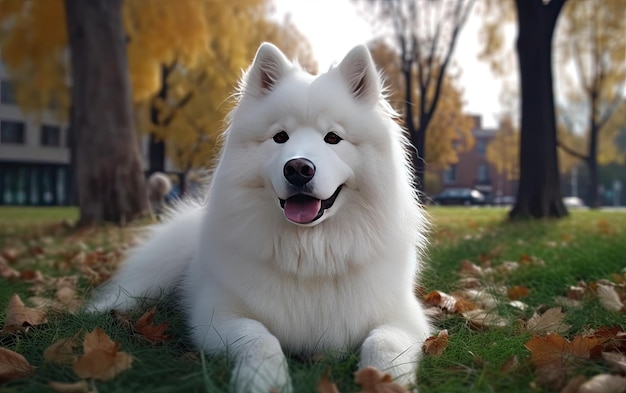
{"x": 110, "y": 179}
{"x": 539, "y": 193}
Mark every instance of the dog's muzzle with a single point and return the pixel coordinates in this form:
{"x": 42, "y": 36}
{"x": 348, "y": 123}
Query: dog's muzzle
{"x": 305, "y": 209}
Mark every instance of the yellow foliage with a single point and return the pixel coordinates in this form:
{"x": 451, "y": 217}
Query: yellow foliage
{"x": 503, "y": 150}
{"x": 449, "y": 132}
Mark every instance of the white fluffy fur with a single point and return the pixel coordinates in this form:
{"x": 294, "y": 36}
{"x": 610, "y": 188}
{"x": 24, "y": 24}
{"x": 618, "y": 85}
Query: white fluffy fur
{"x": 257, "y": 285}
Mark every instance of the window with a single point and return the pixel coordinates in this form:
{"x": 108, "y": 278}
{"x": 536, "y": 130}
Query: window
{"x": 50, "y": 136}
{"x": 481, "y": 146}
{"x": 12, "y": 132}
{"x": 449, "y": 175}
{"x": 482, "y": 174}
{"x": 7, "y": 92}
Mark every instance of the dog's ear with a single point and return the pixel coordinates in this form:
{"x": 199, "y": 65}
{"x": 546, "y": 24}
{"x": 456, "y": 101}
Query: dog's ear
{"x": 268, "y": 68}
{"x": 359, "y": 72}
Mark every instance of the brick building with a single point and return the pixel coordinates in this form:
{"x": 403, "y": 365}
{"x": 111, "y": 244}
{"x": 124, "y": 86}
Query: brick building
{"x": 473, "y": 170}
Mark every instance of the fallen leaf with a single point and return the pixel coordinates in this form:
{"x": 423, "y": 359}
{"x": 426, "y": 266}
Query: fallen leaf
{"x": 7, "y": 271}
{"x": 567, "y": 302}
{"x": 470, "y": 269}
{"x": 435, "y": 346}
{"x": 325, "y": 386}
{"x": 67, "y": 297}
{"x": 604, "y": 383}
{"x": 553, "y": 349}
{"x": 550, "y": 321}
{"x": 62, "y": 351}
{"x": 609, "y": 298}
{"x": 373, "y": 380}
{"x": 441, "y": 300}
{"x": 18, "y": 314}
{"x": 480, "y": 319}
{"x": 75, "y": 387}
{"x": 102, "y": 359}
{"x": 13, "y": 365}
{"x": 151, "y": 332}
{"x": 518, "y": 292}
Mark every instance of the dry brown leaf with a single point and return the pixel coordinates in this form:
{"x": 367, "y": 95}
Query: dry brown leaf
{"x": 441, "y": 300}
{"x": 567, "y": 302}
{"x": 373, "y": 380}
{"x": 67, "y": 297}
{"x": 550, "y": 321}
{"x": 604, "y": 383}
{"x": 435, "y": 346}
{"x": 151, "y": 332}
{"x": 102, "y": 359}
{"x": 517, "y": 292}
{"x": 575, "y": 292}
{"x": 13, "y": 366}
{"x": 553, "y": 350}
{"x": 470, "y": 269}
{"x": 7, "y": 271}
{"x": 480, "y": 319}
{"x": 609, "y": 298}
{"x": 62, "y": 351}
{"x": 75, "y": 387}
{"x": 325, "y": 386}
{"x": 18, "y": 314}
{"x": 616, "y": 360}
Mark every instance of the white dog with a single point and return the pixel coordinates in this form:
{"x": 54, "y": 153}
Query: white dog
{"x": 310, "y": 237}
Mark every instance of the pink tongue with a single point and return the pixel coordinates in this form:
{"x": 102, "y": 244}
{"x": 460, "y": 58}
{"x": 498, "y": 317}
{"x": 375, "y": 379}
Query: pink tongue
{"x": 302, "y": 209}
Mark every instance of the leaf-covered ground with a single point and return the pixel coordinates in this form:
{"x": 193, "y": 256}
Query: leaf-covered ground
{"x": 517, "y": 307}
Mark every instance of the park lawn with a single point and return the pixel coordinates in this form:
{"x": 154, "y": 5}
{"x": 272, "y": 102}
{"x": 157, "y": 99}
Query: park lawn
{"x": 549, "y": 256}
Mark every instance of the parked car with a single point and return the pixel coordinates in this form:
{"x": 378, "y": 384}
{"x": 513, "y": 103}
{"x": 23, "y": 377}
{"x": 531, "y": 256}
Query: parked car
{"x": 573, "y": 202}
{"x": 460, "y": 196}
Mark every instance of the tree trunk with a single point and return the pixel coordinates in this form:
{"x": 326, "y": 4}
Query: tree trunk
{"x": 539, "y": 193}
{"x": 409, "y": 124}
{"x": 156, "y": 147}
{"x": 592, "y": 164}
{"x": 110, "y": 179}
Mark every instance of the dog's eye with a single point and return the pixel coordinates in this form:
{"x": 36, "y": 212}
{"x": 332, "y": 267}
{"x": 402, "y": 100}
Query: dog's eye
{"x": 332, "y": 139}
{"x": 281, "y": 137}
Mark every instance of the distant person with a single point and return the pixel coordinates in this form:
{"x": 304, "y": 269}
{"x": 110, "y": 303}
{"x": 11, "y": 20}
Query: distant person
{"x": 159, "y": 185}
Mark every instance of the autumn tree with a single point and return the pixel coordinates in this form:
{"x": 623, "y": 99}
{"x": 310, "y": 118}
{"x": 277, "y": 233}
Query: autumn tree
{"x": 34, "y": 48}
{"x": 109, "y": 175}
{"x": 186, "y": 36}
{"x": 593, "y": 38}
{"x": 425, "y": 34}
{"x": 503, "y": 150}
{"x": 539, "y": 192}
{"x": 450, "y": 129}
{"x": 188, "y": 111}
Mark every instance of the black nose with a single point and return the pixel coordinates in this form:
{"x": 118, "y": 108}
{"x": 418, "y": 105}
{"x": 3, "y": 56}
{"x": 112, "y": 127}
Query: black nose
{"x": 299, "y": 171}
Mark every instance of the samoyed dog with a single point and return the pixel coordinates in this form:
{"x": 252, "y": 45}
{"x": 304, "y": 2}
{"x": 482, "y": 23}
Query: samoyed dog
{"x": 310, "y": 237}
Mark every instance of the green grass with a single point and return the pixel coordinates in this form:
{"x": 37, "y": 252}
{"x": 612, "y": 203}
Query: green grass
{"x": 588, "y": 245}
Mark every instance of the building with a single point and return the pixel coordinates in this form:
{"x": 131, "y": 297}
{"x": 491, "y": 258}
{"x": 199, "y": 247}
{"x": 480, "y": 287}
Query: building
{"x": 473, "y": 171}
{"x": 34, "y": 158}
{"x": 34, "y": 154}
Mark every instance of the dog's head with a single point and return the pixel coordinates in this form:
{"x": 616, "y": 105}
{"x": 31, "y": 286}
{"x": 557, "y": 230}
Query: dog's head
{"x": 309, "y": 140}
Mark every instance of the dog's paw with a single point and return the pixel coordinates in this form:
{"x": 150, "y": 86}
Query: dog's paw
{"x": 272, "y": 375}
{"x": 393, "y": 352}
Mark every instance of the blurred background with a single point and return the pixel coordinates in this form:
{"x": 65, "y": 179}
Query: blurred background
{"x": 452, "y": 69}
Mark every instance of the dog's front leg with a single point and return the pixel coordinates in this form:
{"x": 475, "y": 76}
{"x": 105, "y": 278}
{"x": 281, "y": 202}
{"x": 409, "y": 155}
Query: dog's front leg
{"x": 260, "y": 365}
{"x": 392, "y": 350}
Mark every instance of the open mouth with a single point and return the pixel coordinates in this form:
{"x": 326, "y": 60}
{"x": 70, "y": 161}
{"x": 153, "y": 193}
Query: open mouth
{"x": 304, "y": 209}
